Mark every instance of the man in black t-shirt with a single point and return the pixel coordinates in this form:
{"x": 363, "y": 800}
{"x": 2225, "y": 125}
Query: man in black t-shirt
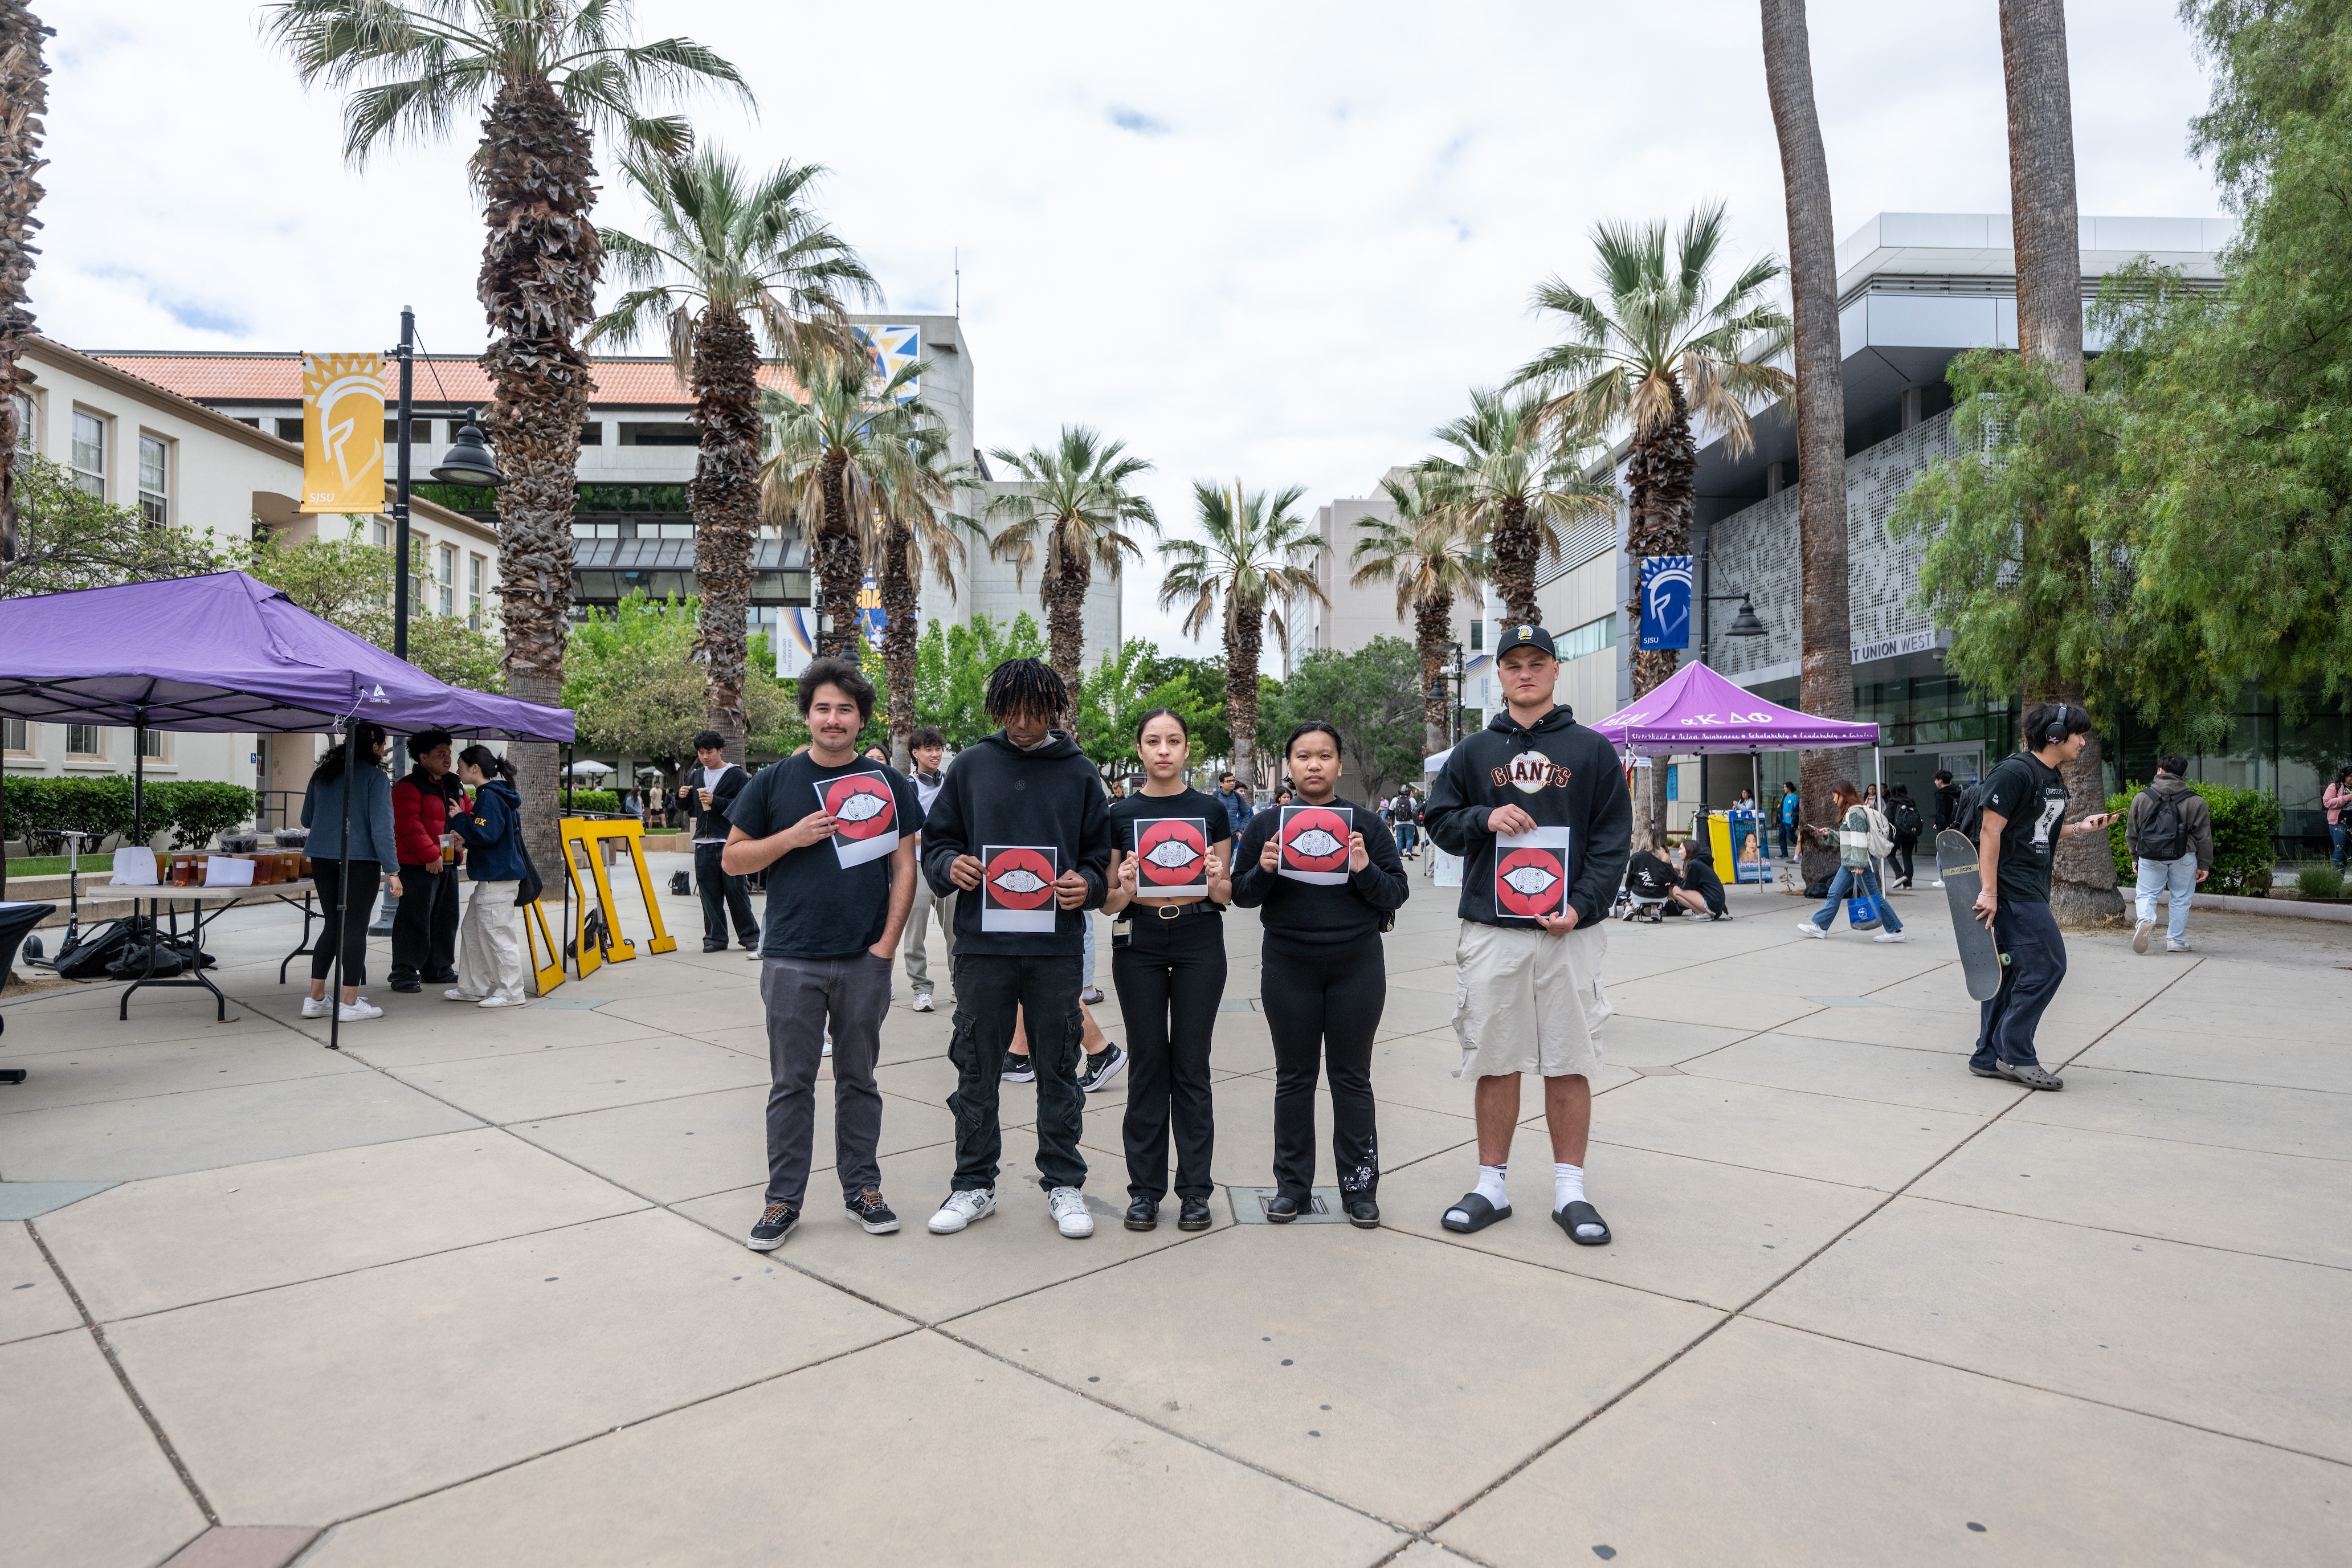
{"x": 2024, "y": 816}
{"x": 837, "y": 835}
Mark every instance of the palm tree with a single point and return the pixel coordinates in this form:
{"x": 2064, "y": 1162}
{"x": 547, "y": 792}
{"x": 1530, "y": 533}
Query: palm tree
{"x": 1826, "y": 687}
{"x": 730, "y": 262}
{"x": 918, "y": 526}
{"x": 543, "y": 74}
{"x": 1514, "y": 488}
{"x": 1258, "y": 560}
{"x": 24, "y": 89}
{"x": 1076, "y": 511}
{"x": 1434, "y": 560}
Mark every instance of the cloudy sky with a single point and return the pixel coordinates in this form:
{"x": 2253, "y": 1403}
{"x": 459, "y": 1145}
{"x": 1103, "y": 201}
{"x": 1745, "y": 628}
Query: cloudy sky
{"x": 1272, "y": 241}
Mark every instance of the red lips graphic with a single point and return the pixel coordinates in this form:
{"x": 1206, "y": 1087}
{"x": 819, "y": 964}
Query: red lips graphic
{"x": 860, "y": 807}
{"x": 1530, "y": 883}
{"x": 1170, "y": 853}
{"x": 1019, "y": 878}
{"x": 1315, "y": 839}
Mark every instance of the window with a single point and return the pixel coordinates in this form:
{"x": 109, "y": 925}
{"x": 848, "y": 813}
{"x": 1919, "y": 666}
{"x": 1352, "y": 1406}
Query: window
{"x": 1588, "y": 638}
{"x": 380, "y": 535}
{"x": 150, "y": 746}
{"x": 664, "y": 434}
{"x": 474, "y": 592}
{"x": 1477, "y": 637}
{"x": 291, "y": 430}
{"x": 243, "y": 420}
{"x": 16, "y": 735}
{"x": 29, "y": 426}
{"x": 592, "y": 434}
{"x": 84, "y": 740}
{"x": 89, "y": 452}
{"x": 155, "y": 480}
{"x": 444, "y": 568}
{"x": 420, "y": 432}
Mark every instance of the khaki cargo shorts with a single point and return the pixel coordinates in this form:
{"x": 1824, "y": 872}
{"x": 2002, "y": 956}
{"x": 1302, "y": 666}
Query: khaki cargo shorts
{"x": 1525, "y": 1001}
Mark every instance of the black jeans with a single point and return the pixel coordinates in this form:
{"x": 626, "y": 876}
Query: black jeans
{"x": 367, "y": 877}
{"x": 988, "y": 987}
{"x": 723, "y": 896}
{"x": 1171, "y": 979}
{"x": 1323, "y": 1006}
{"x": 1898, "y": 860}
{"x": 2029, "y": 983}
{"x": 424, "y": 925}
{"x": 801, "y": 996}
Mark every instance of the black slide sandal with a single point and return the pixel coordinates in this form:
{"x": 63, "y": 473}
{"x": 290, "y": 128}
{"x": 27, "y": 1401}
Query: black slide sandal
{"x": 1477, "y": 1212}
{"x": 1581, "y": 1213}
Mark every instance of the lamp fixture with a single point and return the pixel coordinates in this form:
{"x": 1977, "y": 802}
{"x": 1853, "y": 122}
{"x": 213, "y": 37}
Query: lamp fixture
{"x": 468, "y": 460}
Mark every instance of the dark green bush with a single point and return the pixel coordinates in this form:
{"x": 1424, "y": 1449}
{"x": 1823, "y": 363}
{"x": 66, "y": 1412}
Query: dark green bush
{"x": 40, "y": 809}
{"x": 2245, "y": 825}
{"x": 197, "y": 809}
{"x": 584, "y": 801}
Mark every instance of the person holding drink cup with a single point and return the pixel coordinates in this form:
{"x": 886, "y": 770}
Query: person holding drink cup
{"x": 424, "y": 925}
{"x": 707, "y": 792}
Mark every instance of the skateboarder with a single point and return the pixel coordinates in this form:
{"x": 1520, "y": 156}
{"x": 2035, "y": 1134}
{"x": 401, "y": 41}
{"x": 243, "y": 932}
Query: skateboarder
{"x": 2024, "y": 816}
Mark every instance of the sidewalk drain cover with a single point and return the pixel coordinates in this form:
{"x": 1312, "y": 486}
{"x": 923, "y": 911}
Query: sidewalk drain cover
{"x": 31, "y": 1200}
{"x": 1249, "y": 1206}
{"x": 1238, "y": 1005}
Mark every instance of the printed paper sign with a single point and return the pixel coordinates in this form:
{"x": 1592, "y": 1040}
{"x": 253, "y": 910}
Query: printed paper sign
{"x": 1172, "y": 856}
{"x": 1531, "y": 873}
{"x": 1016, "y": 886}
{"x": 1314, "y": 840}
{"x": 865, "y": 813}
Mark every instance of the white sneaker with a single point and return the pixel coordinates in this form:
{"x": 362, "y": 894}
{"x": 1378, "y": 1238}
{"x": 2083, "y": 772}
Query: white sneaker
{"x": 2171, "y": 946}
{"x": 1891, "y": 936}
{"x": 2140, "y": 935}
{"x": 314, "y": 1006}
{"x": 923, "y": 1001}
{"x": 497, "y": 1001}
{"x": 1935, "y": 884}
{"x": 455, "y": 994}
{"x": 962, "y": 1208}
{"x": 1069, "y": 1211}
{"x": 828, "y": 1042}
{"x": 355, "y": 1012}
{"x": 1809, "y": 929}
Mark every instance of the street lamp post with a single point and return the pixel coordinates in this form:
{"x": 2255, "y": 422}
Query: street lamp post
{"x": 1743, "y": 625}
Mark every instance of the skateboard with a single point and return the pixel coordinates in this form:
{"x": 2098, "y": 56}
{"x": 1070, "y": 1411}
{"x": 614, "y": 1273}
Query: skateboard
{"x": 1981, "y": 959}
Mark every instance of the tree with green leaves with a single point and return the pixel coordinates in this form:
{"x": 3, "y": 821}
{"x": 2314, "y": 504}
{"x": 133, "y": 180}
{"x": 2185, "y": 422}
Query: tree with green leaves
{"x": 632, "y": 676}
{"x": 1125, "y": 686}
{"x": 546, "y": 76}
{"x": 348, "y": 584}
{"x": 952, "y": 665}
{"x": 1371, "y": 696}
{"x": 1513, "y": 485}
{"x": 1073, "y": 509}
{"x": 69, "y": 539}
{"x": 920, "y": 523}
{"x": 731, "y": 266}
{"x": 1255, "y": 561}
{"x": 1434, "y": 558}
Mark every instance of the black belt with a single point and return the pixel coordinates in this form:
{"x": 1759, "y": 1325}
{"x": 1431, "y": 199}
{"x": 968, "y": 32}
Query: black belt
{"x": 1173, "y": 912}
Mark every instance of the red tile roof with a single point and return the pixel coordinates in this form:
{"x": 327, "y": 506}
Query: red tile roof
{"x": 642, "y": 383}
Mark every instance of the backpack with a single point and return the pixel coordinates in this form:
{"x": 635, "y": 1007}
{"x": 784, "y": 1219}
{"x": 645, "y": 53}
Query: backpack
{"x": 1882, "y": 837}
{"x": 1905, "y": 815}
{"x": 2162, "y": 835}
{"x": 1967, "y": 817}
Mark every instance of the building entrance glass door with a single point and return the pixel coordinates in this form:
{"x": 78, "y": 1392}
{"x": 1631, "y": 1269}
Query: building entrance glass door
{"x": 1914, "y": 768}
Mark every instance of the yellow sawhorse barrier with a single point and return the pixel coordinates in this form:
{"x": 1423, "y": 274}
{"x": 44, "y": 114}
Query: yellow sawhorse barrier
{"x": 596, "y": 937}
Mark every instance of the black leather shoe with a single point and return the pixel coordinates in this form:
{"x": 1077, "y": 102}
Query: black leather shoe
{"x": 1281, "y": 1209}
{"x": 1142, "y": 1214}
{"x": 1194, "y": 1216}
{"x": 1363, "y": 1213}
{"x": 408, "y": 985}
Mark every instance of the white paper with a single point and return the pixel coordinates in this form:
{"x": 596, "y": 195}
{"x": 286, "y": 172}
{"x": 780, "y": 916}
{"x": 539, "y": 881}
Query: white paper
{"x": 134, "y": 867}
{"x": 1172, "y": 847}
{"x": 864, "y": 810}
{"x": 220, "y": 871}
{"x": 1016, "y": 888}
{"x": 1539, "y": 895}
{"x": 1303, "y": 829}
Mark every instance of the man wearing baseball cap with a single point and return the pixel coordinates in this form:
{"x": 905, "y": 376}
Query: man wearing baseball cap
{"x": 1537, "y": 807}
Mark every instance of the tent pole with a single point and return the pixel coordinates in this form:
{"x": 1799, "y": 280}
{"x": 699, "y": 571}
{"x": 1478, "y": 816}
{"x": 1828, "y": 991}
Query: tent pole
{"x": 343, "y": 894}
{"x": 139, "y": 773}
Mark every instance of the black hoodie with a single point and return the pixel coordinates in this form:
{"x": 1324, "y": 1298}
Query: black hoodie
{"x": 995, "y": 792}
{"x": 1560, "y": 774}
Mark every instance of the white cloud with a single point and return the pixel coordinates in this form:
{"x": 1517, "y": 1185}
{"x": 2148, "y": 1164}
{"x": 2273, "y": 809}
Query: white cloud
{"x": 1277, "y": 242}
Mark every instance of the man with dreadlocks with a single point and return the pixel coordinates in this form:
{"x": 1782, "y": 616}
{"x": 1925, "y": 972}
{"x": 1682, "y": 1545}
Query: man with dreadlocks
{"x": 1020, "y": 827}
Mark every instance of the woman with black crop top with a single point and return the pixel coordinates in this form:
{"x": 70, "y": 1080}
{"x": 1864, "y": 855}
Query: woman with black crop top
{"x": 1325, "y": 978}
{"x": 1168, "y": 964}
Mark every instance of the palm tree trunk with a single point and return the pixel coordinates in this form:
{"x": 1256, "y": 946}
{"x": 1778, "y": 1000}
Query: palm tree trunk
{"x": 1064, "y": 592}
{"x": 1432, "y": 628}
{"x": 1515, "y": 554}
{"x": 838, "y": 568}
{"x": 1826, "y": 685}
{"x": 899, "y": 640}
{"x": 1245, "y": 640}
{"x": 1660, "y": 495}
{"x": 23, "y": 99}
{"x": 724, "y": 499}
{"x": 537, "y": 285}
{"x": 2046, "y": 231}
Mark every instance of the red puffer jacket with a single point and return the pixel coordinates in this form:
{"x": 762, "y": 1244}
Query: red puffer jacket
{"x": 419, "y": 818}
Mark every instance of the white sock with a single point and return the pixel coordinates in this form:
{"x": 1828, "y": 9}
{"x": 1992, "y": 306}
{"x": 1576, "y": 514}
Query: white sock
{"x": 1490, "y": 1185}
{"x": 1567, "y": 1186}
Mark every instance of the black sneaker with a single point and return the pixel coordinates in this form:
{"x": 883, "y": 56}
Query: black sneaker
{"x": 1018, "y": 1068}
{"x": 1282, "y": 1208}
{"x": 1142, "y": 1214}
{"x": 409, "y": 984}
{"x": 776, "y": 1222}
{"x": 1194, "y": 1216}
{"x": 869, "y": 1210}
{"x": 1101, "y": 1067}
{"x": 1362, "y": 1213}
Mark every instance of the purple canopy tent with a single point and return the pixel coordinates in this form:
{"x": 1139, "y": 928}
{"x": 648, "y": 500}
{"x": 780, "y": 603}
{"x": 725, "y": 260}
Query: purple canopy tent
{"x": 1698, "y": 712}
{"x": 228, "y": 653}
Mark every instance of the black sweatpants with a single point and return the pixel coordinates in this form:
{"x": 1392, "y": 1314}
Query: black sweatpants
{"x": 1323, "y": 1006}
{"x": 367, "y": 877}
{"x": 1898, "y": 860}
{"x": 987, "y": 987}
{"x": 723, "y": 896}
{"x": 424, "y": 925}
{"x": 1170, "y": 979}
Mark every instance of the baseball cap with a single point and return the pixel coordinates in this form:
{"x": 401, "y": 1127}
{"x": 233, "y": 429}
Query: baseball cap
{"x": 1524, "y": 635}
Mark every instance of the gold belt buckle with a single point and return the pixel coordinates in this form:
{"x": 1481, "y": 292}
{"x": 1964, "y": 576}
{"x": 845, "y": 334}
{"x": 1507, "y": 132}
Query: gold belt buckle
{"x": 1171, "y": 911}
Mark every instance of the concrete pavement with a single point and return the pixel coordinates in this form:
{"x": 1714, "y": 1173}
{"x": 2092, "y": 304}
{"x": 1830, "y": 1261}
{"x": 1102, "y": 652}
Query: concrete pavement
{"x": 474, "y": 1291}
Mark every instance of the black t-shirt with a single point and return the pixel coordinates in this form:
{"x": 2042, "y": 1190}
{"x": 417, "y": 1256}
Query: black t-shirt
{"x": 1648, "y": 875}
{"x": 2031, "y": 796}
{"x": 1128, "y": 810}
{"x": 818, "y": 907}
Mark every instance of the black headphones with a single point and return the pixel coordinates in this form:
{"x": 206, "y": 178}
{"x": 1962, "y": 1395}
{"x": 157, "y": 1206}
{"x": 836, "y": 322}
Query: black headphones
{"x": 2057, "y": 735}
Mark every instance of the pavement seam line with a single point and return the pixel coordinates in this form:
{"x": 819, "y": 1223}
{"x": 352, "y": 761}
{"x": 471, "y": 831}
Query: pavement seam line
{"x": 2135, "y": 1235}
{"x": 154, "y": 1427}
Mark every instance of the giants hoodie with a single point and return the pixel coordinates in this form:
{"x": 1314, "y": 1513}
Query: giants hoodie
{"x": 1560, "y": 774}
{"x": 996, "y": 794}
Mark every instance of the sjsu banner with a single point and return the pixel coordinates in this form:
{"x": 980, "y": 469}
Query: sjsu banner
{"x": 342, "y": 433}
{"x": 1666, "y": 602}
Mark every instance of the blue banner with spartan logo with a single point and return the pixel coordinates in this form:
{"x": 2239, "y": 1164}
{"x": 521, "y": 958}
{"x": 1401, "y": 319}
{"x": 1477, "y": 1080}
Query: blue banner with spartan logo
{"x": 1666, "y": 602}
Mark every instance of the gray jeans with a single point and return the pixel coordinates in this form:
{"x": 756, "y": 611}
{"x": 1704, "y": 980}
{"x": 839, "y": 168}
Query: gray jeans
{"x": 800, "y": 995}
{"x": 918, "y": 921}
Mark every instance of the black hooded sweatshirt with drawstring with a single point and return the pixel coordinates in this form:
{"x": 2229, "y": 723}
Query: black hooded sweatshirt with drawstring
{"x": 995, "y": 792}
{"x": 1560, "y": 774}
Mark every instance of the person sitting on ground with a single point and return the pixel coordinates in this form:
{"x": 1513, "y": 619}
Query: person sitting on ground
{"x": 1648, "y": 877}
{"x": 1695, "y": 864}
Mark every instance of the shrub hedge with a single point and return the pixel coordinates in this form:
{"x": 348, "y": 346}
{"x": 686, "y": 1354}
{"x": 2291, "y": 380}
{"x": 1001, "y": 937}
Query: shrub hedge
{"x": 2245, "y": 823}
{"x": 596, "y": 800}
{"x": 194, "y": 809}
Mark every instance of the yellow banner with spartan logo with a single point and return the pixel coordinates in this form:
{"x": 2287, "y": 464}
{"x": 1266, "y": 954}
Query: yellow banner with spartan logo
{"x": 342, "y": 433}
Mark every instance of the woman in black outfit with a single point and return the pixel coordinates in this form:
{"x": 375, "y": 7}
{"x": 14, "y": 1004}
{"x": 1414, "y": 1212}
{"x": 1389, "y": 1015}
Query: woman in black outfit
{"x": 1168, "y": 964}
{"x": 1324, "y": 981}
